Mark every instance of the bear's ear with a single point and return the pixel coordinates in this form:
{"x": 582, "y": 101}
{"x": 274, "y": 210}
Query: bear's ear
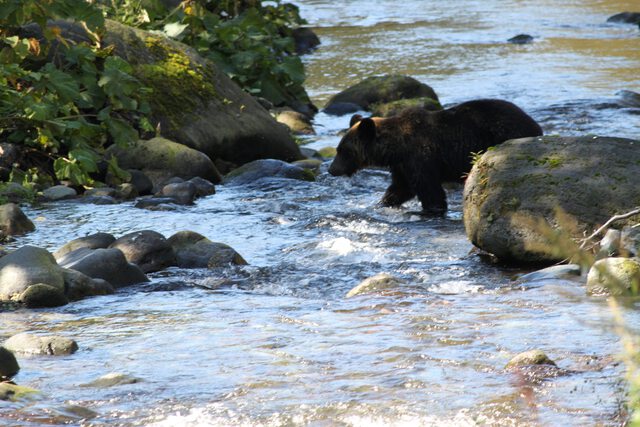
{"x": 354, "y": 119}
{"x": 367, "y": 130}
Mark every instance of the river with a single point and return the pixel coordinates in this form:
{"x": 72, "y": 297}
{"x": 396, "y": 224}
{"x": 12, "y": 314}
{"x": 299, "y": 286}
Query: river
{"x": 277, "y": 343}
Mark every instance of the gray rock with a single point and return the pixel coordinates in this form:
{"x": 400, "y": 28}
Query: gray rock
{"x": 100, "y": 192}
{"x": 615, "y": 276}
{"x": 298, "y": 123}
{"x": 92, "y": 241}
{"x": 27, "y": 343}
{"x": 99, "y": 200}
{"x": 112, "y": 380}
{"x": 147, "y": 249}
{"x": 42, "y": 295}
{"x": 522, "y": 182}
{"x": 25, "y": 267}
{"x": 160, "y": 159}
{"x": 203, "y": 187}
{"x": 568, "y": 271}
{"x": 106, "y": 264}
{"x": 59, "y": 192}
{"x": 127, "y": 191}
{"x": 375, "y": 283}
{"x": 629, "y": 98}
{"x": 193, "y": 250}
{"x": 79, "y": 285}
{"x": 141, "y": 182}
{"x": 156, "y": 204}
{"x": 341, "y": 108}
{"x": 521, "y": 39}
{"x": 528, "y": 358}
{"x": 382, "y": 89}
{"x": 630, "y": 241}
{"x": 305, "y": 40}
{"x": 183, "y": 193}
{"x": 13, "y": 222}
{"x": 270, "y": 168}
{"x": 310, "y": 153}
{"x": 8, "y": 364}
{"x": 610, "y": 244}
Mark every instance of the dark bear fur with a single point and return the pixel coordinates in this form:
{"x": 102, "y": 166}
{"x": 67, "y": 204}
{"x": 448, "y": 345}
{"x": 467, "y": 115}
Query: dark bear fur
{"x": 424, "y": 148}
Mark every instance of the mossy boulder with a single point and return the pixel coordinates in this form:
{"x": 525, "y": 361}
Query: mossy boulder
{"x": 614, "y": 276}
{"x": 394, "y": 108}
{"x": 197, "y": 105}
{"x": 160, "y": 159}
{"x": 380, "y": 90}
{"x": 43, "y": 295}
{"x": 13, "y": 392}
{"x": 520, "y": 186}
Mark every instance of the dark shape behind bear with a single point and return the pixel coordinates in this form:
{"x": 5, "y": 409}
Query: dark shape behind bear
{"x": 424, "y": 148}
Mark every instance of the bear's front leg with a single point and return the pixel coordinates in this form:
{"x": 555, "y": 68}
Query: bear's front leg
{"x": 398, "y": 192}
{"x": 433, "y": 198}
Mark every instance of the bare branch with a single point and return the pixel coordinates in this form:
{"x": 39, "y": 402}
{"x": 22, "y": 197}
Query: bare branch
{"x": 607, "y": 224}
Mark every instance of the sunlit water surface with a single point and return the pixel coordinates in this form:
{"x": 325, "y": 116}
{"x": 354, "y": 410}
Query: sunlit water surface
{"x": 277, "y": 343}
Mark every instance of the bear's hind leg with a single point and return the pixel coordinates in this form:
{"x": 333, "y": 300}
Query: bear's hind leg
{"x": 433, "y": 199}
{"x": 398, "y": 192}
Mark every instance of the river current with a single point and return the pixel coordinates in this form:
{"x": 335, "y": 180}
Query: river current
{"x": 277, "y": 342}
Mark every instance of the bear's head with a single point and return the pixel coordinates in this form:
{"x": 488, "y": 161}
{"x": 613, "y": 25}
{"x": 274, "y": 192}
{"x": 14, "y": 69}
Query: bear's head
{"x": 354, "y": 148}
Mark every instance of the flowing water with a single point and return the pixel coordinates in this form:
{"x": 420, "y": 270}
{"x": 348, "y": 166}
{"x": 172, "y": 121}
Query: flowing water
{"x": 277, "y": 342}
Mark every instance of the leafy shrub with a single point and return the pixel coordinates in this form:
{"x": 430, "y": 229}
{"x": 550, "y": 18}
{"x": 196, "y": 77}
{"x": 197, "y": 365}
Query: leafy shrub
{"x": 64, "y": 101}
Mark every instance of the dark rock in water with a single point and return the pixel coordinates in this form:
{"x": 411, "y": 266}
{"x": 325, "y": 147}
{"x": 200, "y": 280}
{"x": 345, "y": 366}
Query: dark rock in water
{"x": 341, "y": 108}
{"x": 528, "y": 358}
{"x": 625, "y": 18}
{"x": 629, "y": 98}
{"x": 27, "y": 343}
{"x": 92, "y": 241}
{"x": 25, "y": 267}
{"x": 521, "y": 39}
{"x": 193, "y": 250}
{"x": 106, "y": 264}
{"x": 270, "y": 168}
{"x": 99, "y": 200}
{"x": 184, "y": 193}
{"x": 147, "y": 249}
{"x": 101, "y": 192}
{"x": 305, "y": 39}
{"x": 156, "y": 204}
{"x": 381, "y": 89}
{"x": 111, "y": 380}
{"x": 13, "y": 222}
{"x": 8, "y": 364}
{"x": 203, "y": 187}
{"x": 79, "y": 285}
{"x": 59, "y": 192}
{"x": 522, "y": 182}
{"x": 141, "y": 182}
{"x": 42, "y": 295}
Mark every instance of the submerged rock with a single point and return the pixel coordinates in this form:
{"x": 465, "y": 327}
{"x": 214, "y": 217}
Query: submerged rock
{"x": 183, "y": 193}
{"x": 268, "y": 168}
{"x": 193, "y": 250}
{"x": 528, "y": 358}
{"x": 615, "y": 276}
{"x": 147, "y": 249}
{"x": 375, "y": 283}
{"x": 8, "y": 363}
{"x": 519, "y": 185}
{"x": 13, "y": 222}
{"x": 625, "y": 18}
{"x": 380, "y": 89}
{"x": 568, "y": 271}
{"x": 106, "y": 264}
{"x": 112, "y": 380}
{"x": 13, "y": 392}
{"x": 27, "y": 343}
{"x": 79, "y": 285}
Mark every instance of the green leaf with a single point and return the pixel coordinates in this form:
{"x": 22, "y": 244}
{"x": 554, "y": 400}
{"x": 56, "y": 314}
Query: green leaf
{"x": 61, "y": 83}
{"x": 175, "y": 29}
{"x": 121, "y": 132}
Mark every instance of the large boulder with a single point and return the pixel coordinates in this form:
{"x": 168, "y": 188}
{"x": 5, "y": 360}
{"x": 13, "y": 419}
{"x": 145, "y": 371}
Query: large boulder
{"x": 616, "y": 276}
{"x": 8, "y": 364}
{"x": 106, "y": 264}
{"x": 379, "y": 90}
{"x": 92, "y": 241}
{"x": 26, "y": 267}
{"x": 13, "y": 222}
{"x": 521, "y": 184}
{"x": 148, "y": 249}
{"x": 193, "y": 250}
{"x": 196, "y": 104}
{"x": 53, "y": 345}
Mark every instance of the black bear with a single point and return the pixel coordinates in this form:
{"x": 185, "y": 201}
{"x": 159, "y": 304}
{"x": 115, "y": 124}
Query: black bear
{"x": 424, "y": 148}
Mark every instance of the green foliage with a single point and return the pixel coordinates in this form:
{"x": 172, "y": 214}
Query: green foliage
{"x": 251, "y": 42}
{"x": 64, "y": 100}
